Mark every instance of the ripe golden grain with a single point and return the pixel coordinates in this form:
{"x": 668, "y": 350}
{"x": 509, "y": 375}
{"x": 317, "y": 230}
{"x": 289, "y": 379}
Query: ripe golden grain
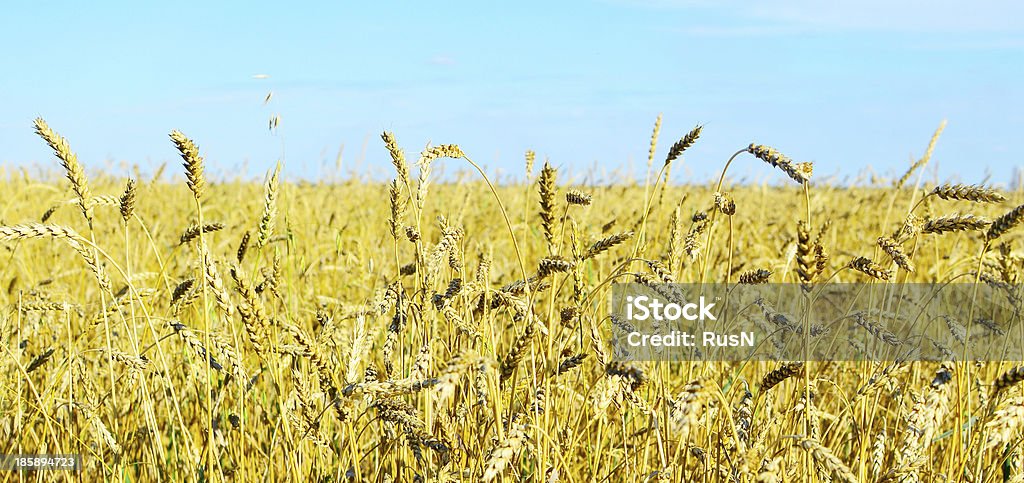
{"x": 447, "y": 374}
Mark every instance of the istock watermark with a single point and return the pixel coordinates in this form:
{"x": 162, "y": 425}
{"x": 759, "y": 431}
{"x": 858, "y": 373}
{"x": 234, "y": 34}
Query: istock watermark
{"x": 646, "y": 307}
{"x": 839, "y": 322}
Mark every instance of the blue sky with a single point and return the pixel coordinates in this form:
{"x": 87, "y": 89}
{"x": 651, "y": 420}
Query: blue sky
{"x": 846, "y": 86}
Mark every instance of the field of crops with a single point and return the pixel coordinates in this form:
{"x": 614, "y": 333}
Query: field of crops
{"x": 427, "y": 330}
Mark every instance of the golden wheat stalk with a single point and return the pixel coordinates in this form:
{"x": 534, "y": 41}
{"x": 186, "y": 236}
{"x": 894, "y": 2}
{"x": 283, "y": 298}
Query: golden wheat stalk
{"x": 953, "y": 223}
{"x": 546, "y": 186}
{"x": 570, "y": 363}
{"x": 683, "y": 144}
{"x": 576, "y": 197}
{"x": 869, "y": 268}
{"x": 1005, "y": 422}
{"x": 552, "y": 265}
{"x": 516, "y": 353}
{"x": 783, "y": 372}
{"x": 213, "y": 279}
{"x": 975, "y": 193}
{"x": 193, "y": 162}
{"x": 692, "y": 243}
{"x": 127, "y": 201}
{"x": 1008, "y": 379}
{"x": 828, "y": 460}
{"x": 397, "y": 157}
{"x": 266, "y": 226}
{"x": 605, "y": 244}
{"x": 754, "y": 277}
{"x": 503, "y": 454}
{"x": 876, "y": 329}
{"x": 924, "y": 159}
{"x": 654, "y": 140}
{"x": 192, "y": 340}
{"x": 891, "y": 248}
{"x": 69, "y": 235}
{"x": 193, "y": 231}
{"x": 243, "y": 247}
{"x": 1005, "y": 223}
{"x": 685, "y": 409}
{"x": 69, "y": 160}
{"x": 325, "y": 370}
{"x": 397, "y": 208}
{"x": 725, "y": 203}
{"x": 98, "y": 427}
{"x": 799, "y": 172}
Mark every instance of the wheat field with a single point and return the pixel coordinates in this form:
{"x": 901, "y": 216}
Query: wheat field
{"x": 181, "y": 328}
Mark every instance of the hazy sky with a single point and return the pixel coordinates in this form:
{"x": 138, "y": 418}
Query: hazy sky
{"x": 851, "y": 86}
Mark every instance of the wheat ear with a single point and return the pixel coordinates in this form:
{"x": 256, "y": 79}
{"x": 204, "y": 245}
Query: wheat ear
{"x": 1004, "y": 223}
{"x": 266, "y": 227}
{"x": 546, "y": 186}
{"x": 683, "y": 144}
{"x": 193, "y": 162}
{"x": 72, "y": 168}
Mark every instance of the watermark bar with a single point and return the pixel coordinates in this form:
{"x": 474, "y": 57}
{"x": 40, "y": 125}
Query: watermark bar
{"x": 824, "y": 322}
{"x": 40, "y": 462}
